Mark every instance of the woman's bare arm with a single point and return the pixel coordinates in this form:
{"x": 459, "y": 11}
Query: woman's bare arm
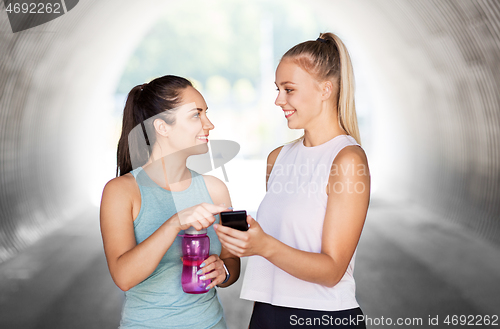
{"x": 220, "y": 195}
{"x": 344, "y": 220}
{"x": 130, "y": 263}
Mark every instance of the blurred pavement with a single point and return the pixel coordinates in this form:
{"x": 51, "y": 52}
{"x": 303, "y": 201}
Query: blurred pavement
{"x": 410, "y": 264}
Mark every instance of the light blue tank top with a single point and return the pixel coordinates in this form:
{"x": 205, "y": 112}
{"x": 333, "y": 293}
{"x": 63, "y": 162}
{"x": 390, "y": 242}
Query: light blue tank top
{"x": 159, "y": 301}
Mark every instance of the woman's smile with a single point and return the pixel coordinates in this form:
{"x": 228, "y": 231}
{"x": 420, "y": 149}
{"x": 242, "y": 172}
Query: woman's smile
{"x": 203, "y": 138}
{"x": 288, "y": 113}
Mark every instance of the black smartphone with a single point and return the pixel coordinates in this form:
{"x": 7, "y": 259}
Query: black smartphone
{"x": 236, "y": 219}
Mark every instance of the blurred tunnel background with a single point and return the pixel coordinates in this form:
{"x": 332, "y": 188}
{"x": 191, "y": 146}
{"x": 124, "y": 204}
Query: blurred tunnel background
{"x": 427, "y": 75}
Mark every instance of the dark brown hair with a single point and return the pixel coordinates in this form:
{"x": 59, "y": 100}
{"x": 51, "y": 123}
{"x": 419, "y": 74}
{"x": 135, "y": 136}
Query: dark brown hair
{"x": 143, "y": 102}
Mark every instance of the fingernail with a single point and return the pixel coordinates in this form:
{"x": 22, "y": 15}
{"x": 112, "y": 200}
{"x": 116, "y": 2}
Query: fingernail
{"x": 231, "y": 208}
{"x": 202, "y": 277}
{"x": 215, "y": 226}
{"x": 208, "y": 287}
{"x": 202, "y": 264}
{"x": 199, "y": 272}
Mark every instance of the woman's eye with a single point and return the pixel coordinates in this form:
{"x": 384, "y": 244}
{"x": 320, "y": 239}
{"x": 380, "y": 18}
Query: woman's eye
{"x": 289, "y": 90}
{"x": 197, "y": 115}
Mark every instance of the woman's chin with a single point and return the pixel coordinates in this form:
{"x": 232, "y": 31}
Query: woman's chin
{"x": 200, "y": 148}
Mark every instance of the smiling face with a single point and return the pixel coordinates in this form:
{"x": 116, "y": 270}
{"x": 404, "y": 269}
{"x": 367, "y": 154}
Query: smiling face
{"x": 191, "y": 126}
{"x": 306, "y": 102}
{"x": 300, "y": 95}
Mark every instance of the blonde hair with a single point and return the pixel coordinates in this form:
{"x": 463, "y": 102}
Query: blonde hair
{"x": 326, "y": 59}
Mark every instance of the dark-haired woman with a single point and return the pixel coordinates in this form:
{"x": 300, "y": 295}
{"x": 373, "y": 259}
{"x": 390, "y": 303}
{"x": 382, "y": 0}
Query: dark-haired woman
{"x": 304, "y": 241}
{"x": 153, "y": 198}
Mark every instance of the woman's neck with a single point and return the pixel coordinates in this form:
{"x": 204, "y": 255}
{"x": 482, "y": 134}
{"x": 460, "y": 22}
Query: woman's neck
{"x": 311, "y": 140}
{"x": 167, "y": 170}
{"x": 323, "y": 129}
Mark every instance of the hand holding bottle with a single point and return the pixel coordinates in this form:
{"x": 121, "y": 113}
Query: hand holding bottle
{"x": 212, "y": 269}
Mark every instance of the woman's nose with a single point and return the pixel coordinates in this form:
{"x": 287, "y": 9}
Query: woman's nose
{"x": 208, "y": 125}
{"x": 280, "y": 101}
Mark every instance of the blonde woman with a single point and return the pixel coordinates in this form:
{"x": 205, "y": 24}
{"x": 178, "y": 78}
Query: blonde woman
{"x": 304, "y": 241}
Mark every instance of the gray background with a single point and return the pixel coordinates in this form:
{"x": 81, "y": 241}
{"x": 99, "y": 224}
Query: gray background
{"x": 431, "y": 242}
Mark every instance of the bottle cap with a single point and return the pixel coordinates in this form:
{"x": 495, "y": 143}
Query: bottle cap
{"x": 192, "y": 231}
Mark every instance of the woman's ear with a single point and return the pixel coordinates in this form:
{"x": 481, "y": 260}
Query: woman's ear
{"x": 161, "y": 127}
{"x": 326, "y": 89}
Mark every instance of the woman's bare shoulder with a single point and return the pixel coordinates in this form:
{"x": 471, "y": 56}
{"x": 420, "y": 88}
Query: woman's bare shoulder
{"x": 122, "y": 186}
{"x": 217, "y": 189}
{"x": 351, "y": 154}
{"x": 214, "y": 184}
{"x": 271, "y": 158}
{"x": 121, "y": 181}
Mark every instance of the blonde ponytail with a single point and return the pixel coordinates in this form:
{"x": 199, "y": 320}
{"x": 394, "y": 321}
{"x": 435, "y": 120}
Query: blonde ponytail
{"x": 346, "y": 106}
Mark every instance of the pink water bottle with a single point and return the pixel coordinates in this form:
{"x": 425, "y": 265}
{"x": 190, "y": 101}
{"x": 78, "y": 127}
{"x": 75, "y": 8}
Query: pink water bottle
{"x": 195, "y": 249}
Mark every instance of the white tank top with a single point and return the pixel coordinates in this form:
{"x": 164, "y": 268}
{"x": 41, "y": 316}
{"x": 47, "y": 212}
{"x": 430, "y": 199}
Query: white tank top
{"x": 293, "y": 211}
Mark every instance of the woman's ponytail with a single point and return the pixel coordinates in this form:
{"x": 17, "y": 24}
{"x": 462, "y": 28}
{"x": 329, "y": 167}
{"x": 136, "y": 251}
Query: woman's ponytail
{"x": 346, "y": 107}
{"x": 123, "y": 162}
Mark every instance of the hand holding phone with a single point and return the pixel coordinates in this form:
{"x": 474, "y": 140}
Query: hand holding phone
{"x": 236, "y": 219}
